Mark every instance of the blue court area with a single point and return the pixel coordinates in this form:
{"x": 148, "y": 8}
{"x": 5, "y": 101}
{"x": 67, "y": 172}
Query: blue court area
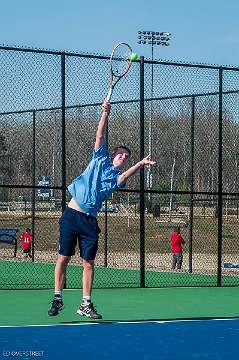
{"x": 182, "y": 340}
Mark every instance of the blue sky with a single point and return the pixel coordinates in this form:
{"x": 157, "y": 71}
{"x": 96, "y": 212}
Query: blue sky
{"x": 204, "y": 31}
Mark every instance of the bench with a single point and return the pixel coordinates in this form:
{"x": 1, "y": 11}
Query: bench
{"x": 9, "y": 236}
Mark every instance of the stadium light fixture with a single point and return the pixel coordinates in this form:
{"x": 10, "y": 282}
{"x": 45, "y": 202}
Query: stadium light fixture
{"x": 154, "y": 38}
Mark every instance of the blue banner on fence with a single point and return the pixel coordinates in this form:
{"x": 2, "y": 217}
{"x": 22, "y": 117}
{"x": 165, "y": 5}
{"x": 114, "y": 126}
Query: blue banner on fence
{"x": 231, "y": 266}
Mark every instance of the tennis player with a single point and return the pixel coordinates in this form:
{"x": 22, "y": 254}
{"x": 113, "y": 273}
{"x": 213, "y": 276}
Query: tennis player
{"x": 78, "y": 222}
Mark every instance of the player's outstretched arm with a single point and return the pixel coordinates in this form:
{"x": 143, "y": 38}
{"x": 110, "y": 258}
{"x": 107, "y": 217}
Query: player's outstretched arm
{"x": 102, "y": 125}
{"x": 131, "y": 171}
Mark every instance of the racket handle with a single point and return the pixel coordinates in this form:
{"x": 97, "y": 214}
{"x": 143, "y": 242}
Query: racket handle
{"x": 108, "y": 97}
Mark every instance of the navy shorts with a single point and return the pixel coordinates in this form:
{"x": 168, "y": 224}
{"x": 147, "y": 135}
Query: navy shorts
{"x": 78, "y": 227}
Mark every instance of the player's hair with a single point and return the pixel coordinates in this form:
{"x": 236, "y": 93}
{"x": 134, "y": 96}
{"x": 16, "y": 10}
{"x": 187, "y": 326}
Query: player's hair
{"x": 28, "y": 230}
{"x": 121, "y": 147}
{"x": 177, "y": 229}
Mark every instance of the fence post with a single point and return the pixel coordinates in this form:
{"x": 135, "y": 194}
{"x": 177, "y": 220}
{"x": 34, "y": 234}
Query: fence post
{"x": 106, "y": 244}
{"x": 106, "y": 235}
{"x": 219, "y": 202}
{"x": 63, "y": 128}
{"x": 192, "y": 185}
{"x": 63, "y": 134}
{"x": 33, "y": 182}
{"x": 142, "y": 202}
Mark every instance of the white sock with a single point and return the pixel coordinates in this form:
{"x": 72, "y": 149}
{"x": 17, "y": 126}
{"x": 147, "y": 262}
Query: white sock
{"x": 58, "y": 293}
{"x": 86, "y": 299}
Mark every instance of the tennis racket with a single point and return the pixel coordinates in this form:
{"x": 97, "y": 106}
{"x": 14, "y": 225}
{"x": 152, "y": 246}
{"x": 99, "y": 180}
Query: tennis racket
{"x": 120, "y": 63}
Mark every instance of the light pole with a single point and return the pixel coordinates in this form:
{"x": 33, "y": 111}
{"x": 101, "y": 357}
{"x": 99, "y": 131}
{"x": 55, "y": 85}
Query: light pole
{"x": 152, "y": 38}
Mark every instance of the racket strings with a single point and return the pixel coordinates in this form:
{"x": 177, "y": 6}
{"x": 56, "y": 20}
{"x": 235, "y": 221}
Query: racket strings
{"x": 120, "y": 60}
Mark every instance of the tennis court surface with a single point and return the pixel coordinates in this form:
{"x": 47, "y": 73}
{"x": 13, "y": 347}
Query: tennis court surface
{"x": 167, "y": 323}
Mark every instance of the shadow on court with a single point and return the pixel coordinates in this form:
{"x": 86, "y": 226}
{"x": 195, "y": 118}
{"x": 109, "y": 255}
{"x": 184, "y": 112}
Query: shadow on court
{"x": 116, "y": 321}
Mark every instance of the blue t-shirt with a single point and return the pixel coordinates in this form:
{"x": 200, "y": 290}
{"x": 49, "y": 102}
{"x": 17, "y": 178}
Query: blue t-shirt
{"x": 96, "y": 183}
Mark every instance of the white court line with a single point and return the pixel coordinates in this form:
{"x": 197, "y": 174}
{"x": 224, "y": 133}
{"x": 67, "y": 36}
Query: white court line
{"x": 121, "y": 322}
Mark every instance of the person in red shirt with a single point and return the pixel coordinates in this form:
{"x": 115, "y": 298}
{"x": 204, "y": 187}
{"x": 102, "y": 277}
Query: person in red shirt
{"x": 177, "y": 251}
{"x": 26, "y": 240}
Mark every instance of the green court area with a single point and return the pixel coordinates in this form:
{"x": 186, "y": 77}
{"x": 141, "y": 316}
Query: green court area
{"x": 29, "y": 275}
{"x": 29, "y": 307}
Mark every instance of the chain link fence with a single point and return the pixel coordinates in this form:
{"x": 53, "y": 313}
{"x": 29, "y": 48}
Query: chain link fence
{"x": 184, "y": 115}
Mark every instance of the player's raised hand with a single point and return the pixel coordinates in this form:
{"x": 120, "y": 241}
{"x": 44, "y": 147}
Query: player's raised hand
{"x": 147, "y": 161}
